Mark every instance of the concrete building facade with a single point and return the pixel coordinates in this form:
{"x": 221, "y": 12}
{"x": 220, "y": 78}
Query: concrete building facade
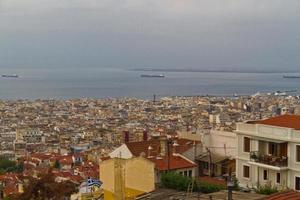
{"x": 269, "y": 152}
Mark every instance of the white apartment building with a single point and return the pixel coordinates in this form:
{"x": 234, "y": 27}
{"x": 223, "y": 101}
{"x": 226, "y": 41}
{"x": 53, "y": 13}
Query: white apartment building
{"x": 269, "y": 151}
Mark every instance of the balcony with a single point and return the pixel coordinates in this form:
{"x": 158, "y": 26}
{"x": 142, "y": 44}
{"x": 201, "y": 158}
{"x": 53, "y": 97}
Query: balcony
{"x": 272, "y": 160}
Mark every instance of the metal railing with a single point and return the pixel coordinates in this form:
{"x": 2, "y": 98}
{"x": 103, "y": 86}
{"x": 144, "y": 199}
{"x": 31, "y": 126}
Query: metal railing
{"x": 278, "y": 161}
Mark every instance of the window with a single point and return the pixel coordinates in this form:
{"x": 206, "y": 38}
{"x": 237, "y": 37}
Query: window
{"x": 265, "y": 175}
{"x": 297, "y": 183}
{"x": 278, "y": 178}
{"x": 272, "y": 148}
{"x": 185, "y": 173}
{"x": 298, "y": 153}
{"x": 205, "y": 165}
{"x": 246, "y": 144}
{"x": 190, "y": 173}
{"x": 246, "y": 171}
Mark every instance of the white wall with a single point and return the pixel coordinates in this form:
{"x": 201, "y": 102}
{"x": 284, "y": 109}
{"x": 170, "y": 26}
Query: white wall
{"x": 221, "y": 143}
{"x": 121, "y": 152}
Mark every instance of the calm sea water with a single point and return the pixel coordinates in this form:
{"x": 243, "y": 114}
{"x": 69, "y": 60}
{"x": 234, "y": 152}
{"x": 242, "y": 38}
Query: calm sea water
{"x": 103, "y": 83}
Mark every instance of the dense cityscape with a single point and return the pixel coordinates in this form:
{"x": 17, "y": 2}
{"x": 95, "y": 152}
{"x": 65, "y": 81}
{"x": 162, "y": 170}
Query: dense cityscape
{"x": 76, "y": 140}
{"x": 149, "y": 100}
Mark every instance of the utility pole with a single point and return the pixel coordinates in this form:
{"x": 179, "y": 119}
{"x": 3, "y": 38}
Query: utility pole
{"x": 230, "y": 186}
{"x": 169, "y": 143}
{"x": 210, "y": 161}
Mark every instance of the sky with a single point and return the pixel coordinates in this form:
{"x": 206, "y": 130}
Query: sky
{"x": 171, "y": 34}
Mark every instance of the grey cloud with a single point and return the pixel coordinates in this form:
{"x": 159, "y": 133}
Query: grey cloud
{"x": 145, "y": 33}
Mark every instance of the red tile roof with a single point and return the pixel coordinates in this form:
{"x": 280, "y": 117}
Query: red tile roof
{"x": 289, "y": 195}
{"x": 136, "y": 148}
{"x": 10, "y": 189}
{"x": 176, "y": 162}
{"x": 288, "y": 121}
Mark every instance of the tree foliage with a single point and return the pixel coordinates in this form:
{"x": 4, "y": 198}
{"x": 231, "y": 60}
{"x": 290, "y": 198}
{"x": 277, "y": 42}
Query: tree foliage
{"x": 45, "y": 188}
{"x": 266, "y": 189}
{"x": 7, "y": 165}
{"x": 57, "y": 164}
{"x": 178, "y": 182}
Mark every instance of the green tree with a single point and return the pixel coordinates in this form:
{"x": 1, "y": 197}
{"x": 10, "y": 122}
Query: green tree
{"x": 45, "y": 188}
{"x": 178, "y": 182}
{"x": 6, "y": 163}
{"x": 57, "y": 164}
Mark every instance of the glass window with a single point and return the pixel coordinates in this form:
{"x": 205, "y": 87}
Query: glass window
{"x": 297, "y": 183}
{"x": 265, "y": 175}
{"x": 278, "y": 178}
{"x": 273, "y": 148}
{"x": 246, "y": 144}
{"x": 298, "y": 153}
{"x": 190, "y": 173}
{"x": 185, "y": 173}
{"x": 246, "y": 171}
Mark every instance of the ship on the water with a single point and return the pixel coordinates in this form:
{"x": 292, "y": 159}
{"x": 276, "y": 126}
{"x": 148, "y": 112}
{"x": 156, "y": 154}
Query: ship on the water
{"x": 152, "y": 76}
{"x": 10, "y": 75}
{"x": 288, "y": 76}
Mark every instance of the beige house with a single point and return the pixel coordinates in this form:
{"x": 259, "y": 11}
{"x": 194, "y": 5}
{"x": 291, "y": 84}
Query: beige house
{"x": 269, "y": 151}
{"x": 175, "y": 157}
{"x": 126, "y": 178}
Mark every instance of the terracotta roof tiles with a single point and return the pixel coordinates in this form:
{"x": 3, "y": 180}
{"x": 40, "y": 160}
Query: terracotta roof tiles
{"x": 176, "y": 162}
{"x": 287, "y": 121}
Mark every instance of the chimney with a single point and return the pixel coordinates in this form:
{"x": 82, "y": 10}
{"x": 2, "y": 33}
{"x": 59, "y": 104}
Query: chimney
{"x": 149, "y": 151}
{"x": 163, "y": 146}
{"x": 145, "y": 135}
{"x": 188, "y": 128}
{"x": 175, "y": 146}
{"x": 126, "y": 136}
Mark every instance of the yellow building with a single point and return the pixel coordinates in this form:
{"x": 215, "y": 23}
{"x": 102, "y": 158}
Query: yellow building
{"x": 126, "y": 178}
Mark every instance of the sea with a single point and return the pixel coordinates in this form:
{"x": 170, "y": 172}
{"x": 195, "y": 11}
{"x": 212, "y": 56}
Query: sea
{"x": 66, "y": 83}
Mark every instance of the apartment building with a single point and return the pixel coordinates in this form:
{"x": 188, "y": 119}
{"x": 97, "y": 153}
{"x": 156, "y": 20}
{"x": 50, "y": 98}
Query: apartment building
{"x": 269, "y": 151}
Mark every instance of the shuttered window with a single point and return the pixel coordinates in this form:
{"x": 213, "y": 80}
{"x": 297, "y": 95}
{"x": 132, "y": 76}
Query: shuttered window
{"x": 297, "y": 183}
{"x": 246, "y": 171}
{"x": 246, "y": 144}
{"x": 298, "y": 153}
{"x": 278, "y": 178}
{"x": 265, "y": 175}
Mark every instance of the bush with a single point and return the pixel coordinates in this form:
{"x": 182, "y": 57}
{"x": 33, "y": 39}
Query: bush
{"x": 266, "y": 189}
{"x": 236, "y": 183}
{"x": 178, "y": 182}
{"x": 206, "y": 188}
{"x": 175, "y": 181}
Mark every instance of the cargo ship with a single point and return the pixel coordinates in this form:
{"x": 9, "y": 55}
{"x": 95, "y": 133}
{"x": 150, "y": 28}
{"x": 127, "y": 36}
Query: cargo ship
{"x": 10, "y": 75}
{"x": 152, "y": 76}
{"x": 287, "y": 76}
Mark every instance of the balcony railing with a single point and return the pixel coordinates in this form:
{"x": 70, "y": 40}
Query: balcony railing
{"x": 278, "y": 161}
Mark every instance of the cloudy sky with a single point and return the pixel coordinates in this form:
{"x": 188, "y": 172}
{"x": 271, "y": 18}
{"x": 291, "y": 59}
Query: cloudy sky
{"x": 196, "y": 34}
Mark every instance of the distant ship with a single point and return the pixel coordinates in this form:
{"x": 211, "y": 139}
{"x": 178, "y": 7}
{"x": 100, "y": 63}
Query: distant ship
{"x": 287, "y": 76}
{"x": 152, "y": 76}
{"x": 10, "y": 75}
